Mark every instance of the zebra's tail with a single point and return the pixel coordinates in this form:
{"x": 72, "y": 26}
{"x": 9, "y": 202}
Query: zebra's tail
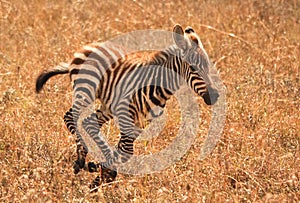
{"x": 62, "y": 68}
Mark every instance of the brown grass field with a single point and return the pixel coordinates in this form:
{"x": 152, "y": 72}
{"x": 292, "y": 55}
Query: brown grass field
{"x": 258, "y": 156}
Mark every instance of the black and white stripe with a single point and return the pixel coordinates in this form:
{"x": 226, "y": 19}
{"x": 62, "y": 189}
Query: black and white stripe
{"x": 129, "y": 86}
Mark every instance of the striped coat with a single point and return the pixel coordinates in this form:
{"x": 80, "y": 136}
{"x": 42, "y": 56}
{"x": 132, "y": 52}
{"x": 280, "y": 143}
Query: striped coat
{"x": 129, "y": 86}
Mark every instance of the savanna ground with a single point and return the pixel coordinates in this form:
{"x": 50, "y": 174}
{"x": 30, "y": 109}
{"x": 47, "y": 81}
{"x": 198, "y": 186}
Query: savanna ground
{"x": 258, "y": 156}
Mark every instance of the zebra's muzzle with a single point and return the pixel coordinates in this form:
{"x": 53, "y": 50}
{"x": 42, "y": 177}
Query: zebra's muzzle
{"x": 211, "y": 96}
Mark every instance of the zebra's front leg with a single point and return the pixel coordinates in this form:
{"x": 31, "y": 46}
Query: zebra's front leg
{"x": 122, "y": 154}
{"x": 124, "y": 149}
{"x": 92, "y": 126}
{"x": 116, "y": 156}
{"x": 107, "y": 176}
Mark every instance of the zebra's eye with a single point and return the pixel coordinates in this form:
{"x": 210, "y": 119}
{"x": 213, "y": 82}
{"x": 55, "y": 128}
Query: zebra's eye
{"x": 193, "y": 68}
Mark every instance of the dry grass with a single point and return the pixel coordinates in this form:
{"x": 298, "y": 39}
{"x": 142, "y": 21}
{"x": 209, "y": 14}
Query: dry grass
{"x": 258, "y": 157}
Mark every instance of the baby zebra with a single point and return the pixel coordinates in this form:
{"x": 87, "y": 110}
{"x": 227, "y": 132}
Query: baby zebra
{"x": 129, "y": 86}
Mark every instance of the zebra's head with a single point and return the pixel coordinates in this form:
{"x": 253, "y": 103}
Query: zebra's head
{"x": 197, "y": 63}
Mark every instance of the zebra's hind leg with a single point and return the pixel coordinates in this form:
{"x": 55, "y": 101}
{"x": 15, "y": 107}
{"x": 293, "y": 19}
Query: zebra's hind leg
{"x": 81, "y": 156}
{"x": 81, "y": 149}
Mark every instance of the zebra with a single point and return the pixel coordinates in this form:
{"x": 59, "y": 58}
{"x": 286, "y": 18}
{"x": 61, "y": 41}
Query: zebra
{"x": 129, "y": 86}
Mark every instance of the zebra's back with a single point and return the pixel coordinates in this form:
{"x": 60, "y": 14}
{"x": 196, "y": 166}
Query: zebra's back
{"x": 111, "y": 74}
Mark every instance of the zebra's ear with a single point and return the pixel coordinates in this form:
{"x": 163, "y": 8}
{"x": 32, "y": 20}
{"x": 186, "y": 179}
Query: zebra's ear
{"x": 194, "y": 38}
{"x": 178, "y": 36}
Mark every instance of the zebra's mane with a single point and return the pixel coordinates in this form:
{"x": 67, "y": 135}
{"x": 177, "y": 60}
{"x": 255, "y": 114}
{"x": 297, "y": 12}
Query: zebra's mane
{"x": 150, "y": 57}
{"x": 159, "y": 57}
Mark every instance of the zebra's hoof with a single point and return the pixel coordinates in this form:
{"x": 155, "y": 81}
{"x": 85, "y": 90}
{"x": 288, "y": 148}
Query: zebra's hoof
{"x": 108, "y": 175}
{"x": 92, "y": 167}
{"x": 78, "y": 165}
{"x": 95, "y": 184}
{"x": 76, "y": 168}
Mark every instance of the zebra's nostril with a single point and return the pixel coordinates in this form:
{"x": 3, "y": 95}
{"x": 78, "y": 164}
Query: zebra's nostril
{"x": 211, "y": 96}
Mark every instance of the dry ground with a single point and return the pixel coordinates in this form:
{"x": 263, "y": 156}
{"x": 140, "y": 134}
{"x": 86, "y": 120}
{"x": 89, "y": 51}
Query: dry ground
{"x": 258, "y": 156}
